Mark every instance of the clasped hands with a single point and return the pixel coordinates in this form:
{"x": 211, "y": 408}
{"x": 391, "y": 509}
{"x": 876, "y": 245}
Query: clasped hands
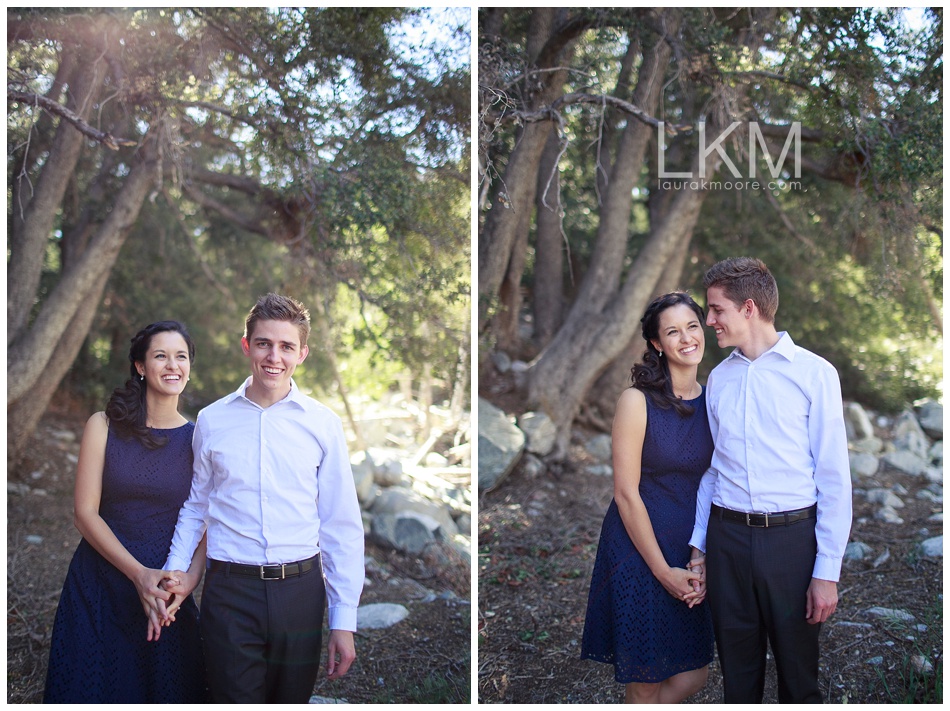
{"x": 689, "y": 584}
{"x": 161, "y": 593}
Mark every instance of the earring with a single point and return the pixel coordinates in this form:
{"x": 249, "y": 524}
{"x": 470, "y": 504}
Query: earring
{"x": 661, "y": 354}
{"x": 141, "y": 377}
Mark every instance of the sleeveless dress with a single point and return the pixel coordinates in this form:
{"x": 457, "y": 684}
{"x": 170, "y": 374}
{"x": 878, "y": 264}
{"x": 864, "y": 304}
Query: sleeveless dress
{"x": 632, "y": 621}
{"x": 99, "y": 652}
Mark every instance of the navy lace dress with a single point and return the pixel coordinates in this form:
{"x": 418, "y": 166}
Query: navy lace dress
{"x": 632, "y": 621}
{"x": 99, "y": 652}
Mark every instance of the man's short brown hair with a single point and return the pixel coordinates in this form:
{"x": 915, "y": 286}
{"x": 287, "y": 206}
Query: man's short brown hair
{"x": 275, "y": 307}
{"x": 742, "y": 278}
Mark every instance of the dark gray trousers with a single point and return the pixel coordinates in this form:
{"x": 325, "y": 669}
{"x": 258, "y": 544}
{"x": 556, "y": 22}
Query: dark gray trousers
{"x": 262, "y": 638}
{"x": 757, "y": 582}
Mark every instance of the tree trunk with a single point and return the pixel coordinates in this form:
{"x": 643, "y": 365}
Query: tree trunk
{"x": 548, "y": 291}
{"x": 39, "y": 217}
{"x": 561, "y": 377}
{"x": 24, "y": 415}
{"x": 507, "y": 217}
{"x": 29, "y": 355}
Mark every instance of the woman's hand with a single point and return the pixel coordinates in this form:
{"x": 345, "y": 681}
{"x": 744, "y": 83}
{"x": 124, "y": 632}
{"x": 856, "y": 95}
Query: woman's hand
{"x": 181, "y": 585}
{"x": 153, "y": 597}
{"x": 678, "y": 582}
{"x": 697, "y": 564}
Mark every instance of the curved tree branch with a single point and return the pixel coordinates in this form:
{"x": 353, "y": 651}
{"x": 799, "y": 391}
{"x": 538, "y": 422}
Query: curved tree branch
{"x": 106, "y": 139}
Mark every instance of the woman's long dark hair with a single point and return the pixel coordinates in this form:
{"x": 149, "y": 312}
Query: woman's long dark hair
{"x": 126, "y": 409}
{"x": 652, "y": 376}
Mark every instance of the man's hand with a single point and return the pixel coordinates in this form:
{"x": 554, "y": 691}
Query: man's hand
{"x": 341, "y": 651}
{"x": 820, "y": 601}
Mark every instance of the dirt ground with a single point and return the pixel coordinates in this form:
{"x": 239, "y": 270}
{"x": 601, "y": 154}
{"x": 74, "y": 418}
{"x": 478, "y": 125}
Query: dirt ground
{"x": 426, "y": 658}
{"x": 537, "y": 541}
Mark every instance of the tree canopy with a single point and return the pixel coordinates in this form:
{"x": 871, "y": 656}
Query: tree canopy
{"x": 582, "y": 114}
{"x": 180, "y": 162}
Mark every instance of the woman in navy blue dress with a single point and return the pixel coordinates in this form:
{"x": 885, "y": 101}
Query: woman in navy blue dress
{"x": 645, "y": 613}
{"x": 134, "y": 473}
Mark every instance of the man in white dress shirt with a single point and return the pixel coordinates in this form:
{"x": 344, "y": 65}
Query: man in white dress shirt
{"x": 273, "y": 487}
{"x": 773, "y": 512}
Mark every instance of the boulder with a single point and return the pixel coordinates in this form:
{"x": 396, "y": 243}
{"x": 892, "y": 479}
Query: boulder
{"x": 932, "y": 547}
{"x": 362, "y": 467}
{"x": 501, "y": 361}
{"x": 863, "y": 464}
{"x": 540, "y": 432}
{"x": 379, "y": 615}
{"x": 871, "y": 445}
{"x": 599, "y": 447}
{"x": 397, "y": 499}
{"x": 885, "y": 497}
{"x": 930, "y": 417}
{"x": 387, "y": 465}
{"x": 408, "y": 531}
{"x": 500, "y": 445}
{"x": 856, "y": 550}
{"x": 909, "y": 436}
{"x": 857, "y": 423}
{"x": 905, "y": 461}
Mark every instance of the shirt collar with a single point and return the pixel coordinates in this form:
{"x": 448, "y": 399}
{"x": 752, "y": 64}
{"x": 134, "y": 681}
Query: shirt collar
{"x": 294, "y": 396}
{"x": 784, "y": 347}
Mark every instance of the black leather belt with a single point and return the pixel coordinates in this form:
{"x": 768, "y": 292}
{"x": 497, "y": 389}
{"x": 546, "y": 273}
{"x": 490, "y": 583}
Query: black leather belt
{"x": 263, "y": 572}
{"x": 761, "y": 520}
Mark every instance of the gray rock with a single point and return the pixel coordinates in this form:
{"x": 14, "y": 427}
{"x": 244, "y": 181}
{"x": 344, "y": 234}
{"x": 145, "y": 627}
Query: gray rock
{"x": 856, "y": 550}
{"x": 501, "y": 361}
{"x": 35, "y": 540}
{"x": 599, "y": 447}
{"x": 876, "y": 661}
{"x": 921, "y": 664}
{"x": 909, "y": 436}
{"x": 906, "y": 462}
{"x": 533, "y": 466}
{"x": 885, "y": 497}
{"x": 387, "y": 465}
{"x": 888, "y": 515}
{"x": 362, "y": 467}
{"x": 930, "y": 416}
{"x": 63, "y": 435}
{"x": 326, "y": 700}
{"x": 408, "y": 531}
{"x": 857, "y": 422}
{"x": 891, "y": 614}
{"x": 379, "y": 615}
{"x": 859, "y": 625}
{"x": 932, "y": 547}
{"x": 500, "y": 445}
{"x": 871, "y": 445}
{"x": 928, "y": 495}
{"x": 600, "y": 470}
{"x": 934, "y": 475}
{"x": 540, "y": 432}
{"x": 464, "y": 524}
{"x": 863, "y": 464}
{"x": 936, "y": 453}
{"x": 397, "y": 499}
{"x": 882, "y": 559}
{"x": 936, "y": 518}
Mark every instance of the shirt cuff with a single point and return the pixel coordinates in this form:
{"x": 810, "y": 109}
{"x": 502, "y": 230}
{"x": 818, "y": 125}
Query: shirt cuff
{"x": 343, "y": 617}
{"x": 177, "y": 564}
{"x": 698, "y": 541}
{"x": 827, "y": 568}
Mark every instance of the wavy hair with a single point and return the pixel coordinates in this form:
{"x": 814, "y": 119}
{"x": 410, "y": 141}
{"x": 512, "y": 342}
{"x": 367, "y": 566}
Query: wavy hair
{"x": 126, "y": 409}
{"x": 652, "y": 375}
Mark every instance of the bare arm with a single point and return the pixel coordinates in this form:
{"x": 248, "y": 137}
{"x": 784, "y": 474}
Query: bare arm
{"x": 87, "y": 497}
{"x": 629, "y": 430}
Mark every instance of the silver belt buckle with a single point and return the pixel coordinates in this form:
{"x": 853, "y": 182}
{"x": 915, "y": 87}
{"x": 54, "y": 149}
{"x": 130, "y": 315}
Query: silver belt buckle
{"x": 283, "y": 572}
{"x": 748, "y": 520}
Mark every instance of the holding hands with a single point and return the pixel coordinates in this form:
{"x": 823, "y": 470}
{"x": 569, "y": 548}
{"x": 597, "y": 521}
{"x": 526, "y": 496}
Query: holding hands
{"x": 688, "y": 585}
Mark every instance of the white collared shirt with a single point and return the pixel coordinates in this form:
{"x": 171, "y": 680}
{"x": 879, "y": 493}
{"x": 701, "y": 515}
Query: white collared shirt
{"x": 274, "y": 485}
{"x": 780, "y": 444}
